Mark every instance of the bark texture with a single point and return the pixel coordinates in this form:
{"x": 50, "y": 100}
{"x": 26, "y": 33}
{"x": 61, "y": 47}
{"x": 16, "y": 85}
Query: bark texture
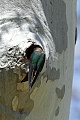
{"x": 50, "y": 24}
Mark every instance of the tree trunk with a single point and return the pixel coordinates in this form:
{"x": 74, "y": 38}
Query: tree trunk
{"x": 51, "y": 25}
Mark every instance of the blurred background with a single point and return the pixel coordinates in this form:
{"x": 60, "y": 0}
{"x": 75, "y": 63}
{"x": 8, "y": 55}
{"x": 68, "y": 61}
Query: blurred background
{"x": 75, "y": 101}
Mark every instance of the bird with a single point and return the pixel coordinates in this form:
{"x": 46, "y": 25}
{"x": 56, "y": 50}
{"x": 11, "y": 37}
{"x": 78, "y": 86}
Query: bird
{"x": 37, "y": 60}
{"x": 36, "y": 57}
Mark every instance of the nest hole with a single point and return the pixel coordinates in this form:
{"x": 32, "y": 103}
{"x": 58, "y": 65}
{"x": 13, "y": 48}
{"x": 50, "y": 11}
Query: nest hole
{"x": 30, "y": 50}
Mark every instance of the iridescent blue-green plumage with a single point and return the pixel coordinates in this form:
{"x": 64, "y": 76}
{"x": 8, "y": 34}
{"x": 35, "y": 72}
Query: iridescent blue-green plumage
{"x": 37, "y": 60}
{"x": 36, "y": 57}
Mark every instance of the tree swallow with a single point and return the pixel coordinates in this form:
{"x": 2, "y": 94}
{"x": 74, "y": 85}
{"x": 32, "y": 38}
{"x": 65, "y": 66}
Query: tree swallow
{"x": 36, "y": 64}
{"x": 36, "y": 57}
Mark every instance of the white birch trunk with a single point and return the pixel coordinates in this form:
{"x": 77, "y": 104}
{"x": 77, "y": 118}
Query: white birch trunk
{"x": 51, "y": 24}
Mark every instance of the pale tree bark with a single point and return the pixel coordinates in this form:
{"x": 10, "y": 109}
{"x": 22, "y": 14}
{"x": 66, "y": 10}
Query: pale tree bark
{"x": 51, "y": 25}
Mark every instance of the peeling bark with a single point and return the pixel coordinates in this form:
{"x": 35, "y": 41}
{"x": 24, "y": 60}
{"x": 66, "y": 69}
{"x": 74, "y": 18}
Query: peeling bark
{"x": 49, "y": 24}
